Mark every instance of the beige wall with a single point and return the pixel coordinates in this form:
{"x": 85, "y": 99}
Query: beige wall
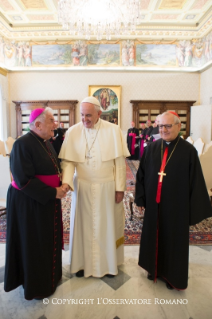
{"x": 206, "y": 87}
{"x": 74, "y": 85}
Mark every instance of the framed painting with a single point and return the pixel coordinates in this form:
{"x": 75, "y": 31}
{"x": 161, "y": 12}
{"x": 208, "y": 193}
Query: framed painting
{"x": 109, "y": 97}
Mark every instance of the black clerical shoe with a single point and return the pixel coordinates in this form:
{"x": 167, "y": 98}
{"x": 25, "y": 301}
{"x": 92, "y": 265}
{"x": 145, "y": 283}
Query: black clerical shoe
{"x": 110, "y": 276}
{"x": 80, "y": 273}
{"x": 169, "y": 286}
{"x": 149, "y": 276}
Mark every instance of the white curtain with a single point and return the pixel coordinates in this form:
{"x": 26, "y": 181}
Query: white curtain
{"x": 3, "y": 117}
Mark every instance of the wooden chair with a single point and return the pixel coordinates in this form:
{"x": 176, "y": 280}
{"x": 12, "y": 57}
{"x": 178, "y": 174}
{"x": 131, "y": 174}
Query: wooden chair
{"x": 2, "y": 148}
{"x": 9, "y": 144}
{"x": 206, "y": 147}
{"x": 199, "y": 144}
{"x": 206, "y": 160}
{"x": 5, "y": 181}
{"x": 189, "y": 139}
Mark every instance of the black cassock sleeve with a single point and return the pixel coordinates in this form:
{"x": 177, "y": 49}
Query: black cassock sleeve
{"x": 140, "y": 198}
{"x": 200, "y": 206}
{"x": 23, "y": 172}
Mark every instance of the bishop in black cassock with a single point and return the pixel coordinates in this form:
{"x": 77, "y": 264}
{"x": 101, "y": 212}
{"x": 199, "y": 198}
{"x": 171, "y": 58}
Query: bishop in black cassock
{"x": 34, "y": 230}
{"x": 132, "y": 141}
{"x": 173, "y": 200}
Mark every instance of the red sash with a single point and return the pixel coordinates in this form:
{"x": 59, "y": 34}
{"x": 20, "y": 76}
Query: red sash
{"x": 160, "y": 179}
{"x": 133, "y": 143}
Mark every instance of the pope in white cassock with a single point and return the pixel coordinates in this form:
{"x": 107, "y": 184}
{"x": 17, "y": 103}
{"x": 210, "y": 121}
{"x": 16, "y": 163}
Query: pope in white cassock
{"x": 93, "y": 163}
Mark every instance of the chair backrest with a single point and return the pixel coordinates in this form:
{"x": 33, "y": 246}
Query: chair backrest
{"x": 189, "y": 139}
{"x": 5, "y": 176}
{"x": 9, "y": 144}
{"x": 206, "y": 160}
{"x": 2, "y": 149}
{"x": 199, "y": 144}
{"x": 206, "y": 147}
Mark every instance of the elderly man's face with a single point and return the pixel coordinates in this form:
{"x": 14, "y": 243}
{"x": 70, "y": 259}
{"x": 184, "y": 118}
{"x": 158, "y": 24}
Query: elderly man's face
{"x": 89, "y": 114}
{"x": 132, "y": 124}
{"x": 169, "y": 134}
{"x": 148, "y": 123}
{"x": 47, "y": 127}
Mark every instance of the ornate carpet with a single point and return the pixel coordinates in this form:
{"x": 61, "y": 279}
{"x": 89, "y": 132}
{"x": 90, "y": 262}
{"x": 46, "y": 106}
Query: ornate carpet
{"x": 200, "y": 234}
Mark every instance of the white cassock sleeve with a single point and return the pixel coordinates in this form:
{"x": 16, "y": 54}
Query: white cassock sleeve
{"x": 68, "y": 169}
{"x": 120, "y": 174}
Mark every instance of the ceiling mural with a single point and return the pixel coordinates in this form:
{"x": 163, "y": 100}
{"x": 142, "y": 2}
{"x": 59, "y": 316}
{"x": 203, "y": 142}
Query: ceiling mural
{"x": 162, "y": 19}
{"x": 34, "y": 4}
{"x": 186, "y": 54}
{"x": 6, "y": 6}
{"x": 172, "y": 5}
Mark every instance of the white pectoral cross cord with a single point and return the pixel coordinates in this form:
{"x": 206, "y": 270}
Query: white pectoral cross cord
{"x": 161, "y": 176}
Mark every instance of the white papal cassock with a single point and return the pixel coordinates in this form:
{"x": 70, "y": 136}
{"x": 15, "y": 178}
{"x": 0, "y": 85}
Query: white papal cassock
{"x": 96, "y": 222}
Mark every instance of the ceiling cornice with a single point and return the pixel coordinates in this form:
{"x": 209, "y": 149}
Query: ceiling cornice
{"x": 153, "y": 31}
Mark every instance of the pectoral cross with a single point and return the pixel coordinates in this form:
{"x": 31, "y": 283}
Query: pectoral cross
{"x": 88, "y": 155}
{"x": 161, "y": 176}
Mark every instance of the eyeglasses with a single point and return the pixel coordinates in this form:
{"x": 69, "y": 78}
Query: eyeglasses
{"x": 166, "y": 126}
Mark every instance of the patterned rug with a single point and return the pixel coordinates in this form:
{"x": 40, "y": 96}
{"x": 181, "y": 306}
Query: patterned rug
{"x": 200, "y": 234}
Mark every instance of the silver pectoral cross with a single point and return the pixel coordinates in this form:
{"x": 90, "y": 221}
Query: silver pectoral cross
{"x": 88, "y": 155}
{"x": 161, "y": 176}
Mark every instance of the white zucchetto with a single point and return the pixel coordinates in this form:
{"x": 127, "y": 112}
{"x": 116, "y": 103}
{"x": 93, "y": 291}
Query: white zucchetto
{"x": 92, "y": 100}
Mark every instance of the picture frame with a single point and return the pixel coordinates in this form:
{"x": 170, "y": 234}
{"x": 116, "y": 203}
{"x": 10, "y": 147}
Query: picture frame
{"x": 109, "y": 97}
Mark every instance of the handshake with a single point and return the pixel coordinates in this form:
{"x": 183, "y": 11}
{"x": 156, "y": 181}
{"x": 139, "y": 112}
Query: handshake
{"x": 62, "y": 191}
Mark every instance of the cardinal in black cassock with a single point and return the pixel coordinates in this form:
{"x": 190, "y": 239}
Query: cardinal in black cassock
{"x": 132, "y": 141}
{"x": 34, "y": 230}
{"x": 171, "y": 187}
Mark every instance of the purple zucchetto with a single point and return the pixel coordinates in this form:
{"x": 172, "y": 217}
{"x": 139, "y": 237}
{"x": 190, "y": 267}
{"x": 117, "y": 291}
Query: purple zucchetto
{"x": 35, "y": 113}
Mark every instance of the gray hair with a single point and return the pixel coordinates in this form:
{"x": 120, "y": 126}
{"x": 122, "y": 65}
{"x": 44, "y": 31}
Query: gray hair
{"x": 41, "y": 117}
{"x": 176, "y": 118}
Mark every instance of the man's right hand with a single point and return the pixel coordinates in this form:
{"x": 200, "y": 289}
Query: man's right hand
{"x": 61, "y": 193}
{"x": 66, "y": 187}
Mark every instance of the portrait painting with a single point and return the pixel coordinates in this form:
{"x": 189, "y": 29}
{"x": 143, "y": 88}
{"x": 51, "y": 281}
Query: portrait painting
{"x": 109, "y": 99}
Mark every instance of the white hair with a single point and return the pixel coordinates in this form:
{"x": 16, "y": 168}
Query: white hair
{"x": 97, "y": 107}
{"x": 176, "y": 118}
{"x": 41, "y": 117}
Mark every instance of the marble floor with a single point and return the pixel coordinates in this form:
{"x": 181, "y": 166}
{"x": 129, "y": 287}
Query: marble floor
{"x": 107, "y": 298}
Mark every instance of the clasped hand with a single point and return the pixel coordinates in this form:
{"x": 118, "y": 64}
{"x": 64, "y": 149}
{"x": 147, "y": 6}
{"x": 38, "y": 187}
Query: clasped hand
{"x": 62, "y": 191}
